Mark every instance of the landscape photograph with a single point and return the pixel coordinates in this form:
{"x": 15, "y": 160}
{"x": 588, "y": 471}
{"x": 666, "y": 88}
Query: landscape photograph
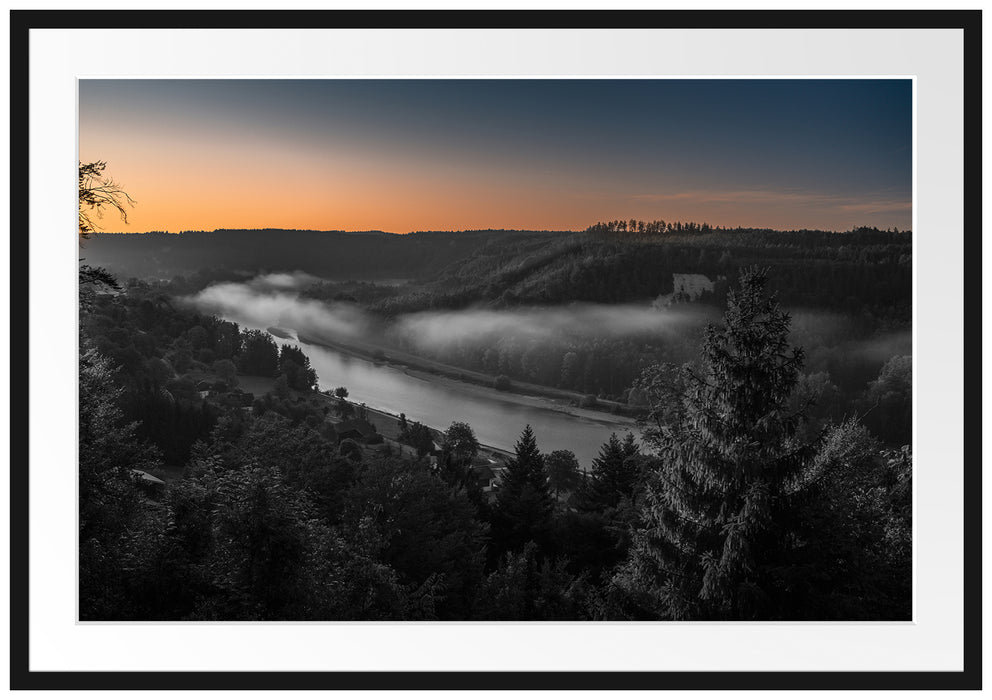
{"x": 597, "y": 350}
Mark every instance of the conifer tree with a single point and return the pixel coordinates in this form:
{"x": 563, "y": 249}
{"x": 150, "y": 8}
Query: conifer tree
{"x": 597, "y": 533}
{"x": 564, "y": 473}
{"x": 613, "y": 476}
{"x": 523, "y": 503}
{"x": 715, "y": 518}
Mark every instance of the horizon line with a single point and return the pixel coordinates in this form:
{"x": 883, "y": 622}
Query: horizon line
{"x": 711, "y": 229}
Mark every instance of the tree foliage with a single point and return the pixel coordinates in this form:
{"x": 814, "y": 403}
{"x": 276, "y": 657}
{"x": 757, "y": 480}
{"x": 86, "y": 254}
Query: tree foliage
{"x": 112, "y": 519}
{"x": 428, "y": 531}
{"x": 260, "y": 355}
{"x": 889, "y": 401}
{"x": 98, "y": 193}
{"x": 614, "y": 476}
{"x": 564, "y": 474}
{"x": 716, "y": 516}
{"x": 527, "y": 586}
{"x": 460, "y": 441}
{"x": 523, "y": 502}
{"x": 418, "y": 436}
{"x": 295, "y": 366}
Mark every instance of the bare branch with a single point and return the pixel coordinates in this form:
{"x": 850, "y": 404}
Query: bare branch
{"x": 97, "y": 192}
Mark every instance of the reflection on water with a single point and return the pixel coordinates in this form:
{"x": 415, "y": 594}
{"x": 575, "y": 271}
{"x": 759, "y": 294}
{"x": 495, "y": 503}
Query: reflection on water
{"x": 495, "y": 421}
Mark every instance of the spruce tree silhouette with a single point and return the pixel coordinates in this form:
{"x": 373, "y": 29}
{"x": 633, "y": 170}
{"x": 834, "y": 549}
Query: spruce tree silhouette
{"x": 715, "y": 520}
{"x": 523, "y": 503}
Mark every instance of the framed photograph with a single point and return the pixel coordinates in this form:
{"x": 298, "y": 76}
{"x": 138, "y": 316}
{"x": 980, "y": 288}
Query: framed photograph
{"x": 558, "y": 349}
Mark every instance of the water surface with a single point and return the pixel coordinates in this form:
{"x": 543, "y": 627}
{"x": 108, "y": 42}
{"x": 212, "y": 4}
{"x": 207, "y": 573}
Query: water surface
{"x": 495, "y": 420}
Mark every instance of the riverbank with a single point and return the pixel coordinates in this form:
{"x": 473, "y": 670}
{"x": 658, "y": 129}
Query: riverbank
{"x": 389, "y": 426}
{"x": 434, "y": 400}
{"x": 387, "y": 422}
{"x": 477, "y": 383}
{"x": 384, "y": 421}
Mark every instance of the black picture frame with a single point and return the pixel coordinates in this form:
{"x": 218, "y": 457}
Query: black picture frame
{"x": 22, "y": 678}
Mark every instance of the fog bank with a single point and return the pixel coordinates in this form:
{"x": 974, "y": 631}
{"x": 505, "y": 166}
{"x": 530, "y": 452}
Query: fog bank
{"x": 437, "y": 330}
{"x": 271, "y": 300}
{"x": 262, "y": 304}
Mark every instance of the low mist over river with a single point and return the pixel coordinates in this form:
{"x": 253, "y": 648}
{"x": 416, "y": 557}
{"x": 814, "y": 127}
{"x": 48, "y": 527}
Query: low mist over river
{"x": 497, "y": 417}
{"x": 273, "y": 300}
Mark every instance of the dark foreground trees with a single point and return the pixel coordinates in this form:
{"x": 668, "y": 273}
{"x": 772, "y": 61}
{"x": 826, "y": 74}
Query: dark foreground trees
{"x": 715, "y": 513}
{"x": 260, "y": 354}
{"x": 727, "y": 509}
{"x": 523, "y": 503}
{"x": 730, "y": 511}
{"x": 295, "y": 365}
{"x": 113, "y": 521}
{"x": 614, "y": 477}
{"x": 460, "y": 441}
{"x": 564, "y": 474}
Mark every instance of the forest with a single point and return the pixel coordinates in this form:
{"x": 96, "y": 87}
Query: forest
{"x": 218, "y": 483}
{"x": 330, "y": 254}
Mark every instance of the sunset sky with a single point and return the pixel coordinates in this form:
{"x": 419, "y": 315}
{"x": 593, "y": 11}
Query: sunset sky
{"x": 406, "y": 155}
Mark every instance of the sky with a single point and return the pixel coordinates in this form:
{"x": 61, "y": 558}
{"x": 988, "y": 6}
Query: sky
{"x": 409, "y": 155}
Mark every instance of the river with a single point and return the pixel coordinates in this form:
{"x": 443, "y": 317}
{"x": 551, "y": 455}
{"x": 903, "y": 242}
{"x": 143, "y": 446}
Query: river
{"x": 496, "y": 421}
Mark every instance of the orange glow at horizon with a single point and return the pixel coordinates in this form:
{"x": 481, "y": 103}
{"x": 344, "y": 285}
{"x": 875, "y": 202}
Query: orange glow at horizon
{"x": 194, "y": 166}
{"x": 181, "y": 191}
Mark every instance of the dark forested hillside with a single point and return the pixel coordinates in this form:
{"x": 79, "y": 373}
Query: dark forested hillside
{"x": 866, "y": 270}
{"x": 331, "y": 254}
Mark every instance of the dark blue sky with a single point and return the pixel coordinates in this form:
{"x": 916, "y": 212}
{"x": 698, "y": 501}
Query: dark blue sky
{"x": 518, "y": 153}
